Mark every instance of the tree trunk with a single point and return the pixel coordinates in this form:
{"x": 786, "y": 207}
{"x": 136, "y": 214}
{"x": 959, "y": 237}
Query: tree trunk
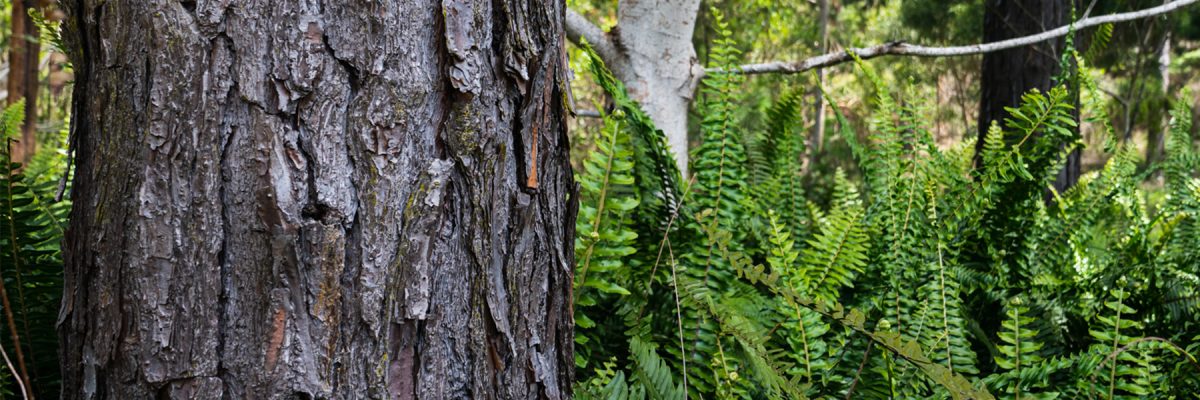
{"x": 1010, "y": 73}
{"x": 659, "y": 67}
{"x": 23, "y": 74}
{"x": 350, "y": 199}
{"x": 816, "y": 138}
{"x": 651, "y": 52}
{"x": 1156, "y": 139}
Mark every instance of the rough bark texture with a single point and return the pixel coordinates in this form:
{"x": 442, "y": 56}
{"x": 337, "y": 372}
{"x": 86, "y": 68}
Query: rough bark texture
{"x": 319, "y": 199}
{"x": 1008, "y": 74}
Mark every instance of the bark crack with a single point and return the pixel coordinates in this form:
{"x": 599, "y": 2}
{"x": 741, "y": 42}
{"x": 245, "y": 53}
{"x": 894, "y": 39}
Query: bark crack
{"x": 347, "y": 65}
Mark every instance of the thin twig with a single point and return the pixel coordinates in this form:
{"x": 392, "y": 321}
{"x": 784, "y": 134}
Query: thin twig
{"x": 14, "y": 373}
{"x": 587, "y": 114}
{"x": 666, "y": 243}
{"x": 858, "y": 373}
{"x": 667, "y": 232}
{"x": 678, "y": 316}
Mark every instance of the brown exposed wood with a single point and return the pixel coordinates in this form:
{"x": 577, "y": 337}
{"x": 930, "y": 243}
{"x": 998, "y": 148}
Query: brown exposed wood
{"x": 339, "y": 189}
{"x": 23, "y": 77}
{"x": 273, "y": 347}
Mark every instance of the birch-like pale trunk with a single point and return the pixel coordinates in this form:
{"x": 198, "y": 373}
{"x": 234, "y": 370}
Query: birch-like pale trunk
{"x": 1157, "y": 135}
{"x": 651, "y": 51}
{"x": 816, "y": 138}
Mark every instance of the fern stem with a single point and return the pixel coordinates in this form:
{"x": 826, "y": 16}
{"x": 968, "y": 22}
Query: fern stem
{"x": 678, "y": 314}
{"x": 891, "y": 375}
{"x": 858, "y": 373}
{"x": 724, "y": 361}
{"x": 717, "y": 193}
{"x": 1017, "y": 340}
{"x": 1112, "y": 374}
{"x": 8, "y": 313}
{"x": 895, "y": 247}
{"x": 20, "y": 383}
{"x": 595, "y": 235}
{"x": 945, "y": 306}
{"x": 666, "y": 235}
{"x": 804, "y": 340}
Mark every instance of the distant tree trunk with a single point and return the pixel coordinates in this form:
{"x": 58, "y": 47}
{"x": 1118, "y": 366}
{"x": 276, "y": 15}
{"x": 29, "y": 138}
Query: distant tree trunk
{"x": 1157, "y": 135}
{"x": 24, "y": 48}
{"x": 301, "y": 199}
{"x": 1008, "y": 74}
{"x": 817, "y": 137}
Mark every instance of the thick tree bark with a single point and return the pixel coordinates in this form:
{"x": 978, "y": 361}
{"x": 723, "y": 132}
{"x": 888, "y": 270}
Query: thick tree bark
{"x": 1008, "y": 74}
{"x": 23, "y": 60}
{"x": 342, "y": 199}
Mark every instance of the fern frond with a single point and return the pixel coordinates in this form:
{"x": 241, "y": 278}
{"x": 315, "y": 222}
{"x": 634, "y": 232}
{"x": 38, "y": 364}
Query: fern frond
{"x": 604, "y": 238}
{"x": 653, "y": 373}
{"x": 1127, "y": 375}
{"x": 839, "y": 250}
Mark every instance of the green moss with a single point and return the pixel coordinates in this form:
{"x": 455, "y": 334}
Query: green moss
{"x": 409, "y": 209}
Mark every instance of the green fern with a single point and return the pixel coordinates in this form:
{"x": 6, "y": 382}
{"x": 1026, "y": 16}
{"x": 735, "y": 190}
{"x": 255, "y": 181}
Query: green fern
{"x": 719, "y": 162}
{"x": 653, "y": 373}
{"x": 839, "y": 250}
{"x": 775, "y": 166}
{"x": 719, "y": 194}
{"x": 30, "y": 260}
{"x": 1020, "y": 357}
{"x": 803, "y": 329}
{"x": 604, "y": 239}
{"x": 741, "y": 287}
{"x": 1128, "y": 375}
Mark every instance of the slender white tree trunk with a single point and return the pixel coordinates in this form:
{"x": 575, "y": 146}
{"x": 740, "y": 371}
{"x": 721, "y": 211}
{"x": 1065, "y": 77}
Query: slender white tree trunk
{"x": 656, "y": 36}
{"x": 817, "y": 137}
{"x": 651, "y": 51}
{"x": 1155, "y": 148}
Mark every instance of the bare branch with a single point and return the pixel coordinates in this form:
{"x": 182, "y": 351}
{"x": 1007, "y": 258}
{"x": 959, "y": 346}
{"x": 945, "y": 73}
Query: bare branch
{"x": 579, "y": 28}
{"x": 587, "y": 114}
{"x": 905, "y": 49}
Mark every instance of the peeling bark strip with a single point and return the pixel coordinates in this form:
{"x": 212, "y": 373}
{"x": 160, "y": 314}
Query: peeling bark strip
{"x": 318, "y": 199}
{"x": 276, "y": 343}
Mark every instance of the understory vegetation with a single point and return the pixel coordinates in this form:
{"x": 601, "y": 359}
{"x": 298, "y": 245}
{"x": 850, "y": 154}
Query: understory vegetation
{"x": 922, "y": 272}
{"x": 32, "y": 225}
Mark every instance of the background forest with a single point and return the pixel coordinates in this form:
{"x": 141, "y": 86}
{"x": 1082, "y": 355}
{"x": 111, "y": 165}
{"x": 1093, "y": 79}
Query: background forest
{"x": 893, "y": 252}
{"x": 841, "y": 234}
